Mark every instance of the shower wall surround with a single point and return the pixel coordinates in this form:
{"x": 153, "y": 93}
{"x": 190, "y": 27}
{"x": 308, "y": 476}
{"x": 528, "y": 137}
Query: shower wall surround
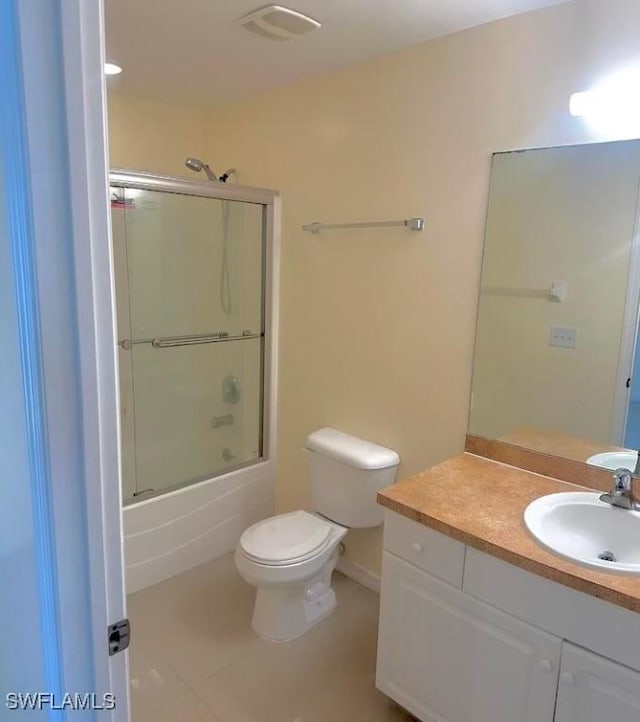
{"x": 194, "y": 290}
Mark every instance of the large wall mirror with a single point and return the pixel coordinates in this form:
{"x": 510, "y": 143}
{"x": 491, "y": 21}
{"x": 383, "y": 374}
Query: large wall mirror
{"x": 558, "y": 311}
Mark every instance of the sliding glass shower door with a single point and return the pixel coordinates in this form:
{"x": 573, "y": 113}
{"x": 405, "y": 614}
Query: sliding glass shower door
{"x": 190, "y": 284}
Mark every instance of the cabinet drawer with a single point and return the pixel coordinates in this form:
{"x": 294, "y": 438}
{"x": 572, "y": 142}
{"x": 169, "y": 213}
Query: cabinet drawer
{"x": 430, "y": 550}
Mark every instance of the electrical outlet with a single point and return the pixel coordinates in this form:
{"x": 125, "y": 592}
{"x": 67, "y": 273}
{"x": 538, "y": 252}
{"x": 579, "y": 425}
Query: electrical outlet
{"x": 563, "y": 336}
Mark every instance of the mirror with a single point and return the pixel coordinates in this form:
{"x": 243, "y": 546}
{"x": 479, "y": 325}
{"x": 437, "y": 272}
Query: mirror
{"x": 558, "y": 307}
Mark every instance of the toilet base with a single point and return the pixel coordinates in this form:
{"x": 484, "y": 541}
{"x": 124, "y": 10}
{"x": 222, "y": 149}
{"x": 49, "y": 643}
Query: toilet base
{"x": 284, "y": 612}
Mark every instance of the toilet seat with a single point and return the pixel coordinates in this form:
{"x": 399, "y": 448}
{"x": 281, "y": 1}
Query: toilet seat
{"x": 286, "y": 539}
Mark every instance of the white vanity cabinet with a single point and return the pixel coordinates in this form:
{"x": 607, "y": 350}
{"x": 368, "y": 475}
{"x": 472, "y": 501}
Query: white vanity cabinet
{"x": 448, "y": 656}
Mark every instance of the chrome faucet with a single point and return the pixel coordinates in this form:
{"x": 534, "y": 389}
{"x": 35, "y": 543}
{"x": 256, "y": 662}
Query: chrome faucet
{"x": 621, "y": 494}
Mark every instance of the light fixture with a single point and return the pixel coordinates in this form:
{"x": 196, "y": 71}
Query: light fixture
{"x": 612, "y": 107}
{"x": 277, "y": 22}
{"x": 112, "y": 69}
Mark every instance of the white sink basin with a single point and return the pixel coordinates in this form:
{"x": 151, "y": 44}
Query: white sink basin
{"x": 614, "y": 460}
{"x": 580, "y": 527}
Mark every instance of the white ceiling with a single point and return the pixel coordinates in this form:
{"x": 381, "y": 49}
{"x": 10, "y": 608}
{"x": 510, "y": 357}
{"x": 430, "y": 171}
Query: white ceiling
{"x": 191, "y": 51}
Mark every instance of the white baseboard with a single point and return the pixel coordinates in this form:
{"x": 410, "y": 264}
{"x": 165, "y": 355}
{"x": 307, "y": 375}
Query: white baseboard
{"x": 359, "y": 574}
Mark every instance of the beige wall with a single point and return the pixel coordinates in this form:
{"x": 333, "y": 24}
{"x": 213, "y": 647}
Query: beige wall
{"x": 555, "y": 214}
{"x": 377, "y": 327}
{"x": 150, "y": 136}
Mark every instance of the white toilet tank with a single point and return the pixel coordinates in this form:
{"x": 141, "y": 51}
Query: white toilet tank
{"x": 346, "y": 474}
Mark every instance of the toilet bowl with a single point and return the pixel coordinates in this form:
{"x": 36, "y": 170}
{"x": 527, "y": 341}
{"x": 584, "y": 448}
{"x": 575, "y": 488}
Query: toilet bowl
{"x": 290, "y": 558}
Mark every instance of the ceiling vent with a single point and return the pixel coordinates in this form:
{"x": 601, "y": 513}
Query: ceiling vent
{"x": 278, "y": 23}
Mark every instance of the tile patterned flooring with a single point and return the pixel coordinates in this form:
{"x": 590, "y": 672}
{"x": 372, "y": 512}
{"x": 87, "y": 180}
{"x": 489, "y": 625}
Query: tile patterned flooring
{"x": 195, "y": 658}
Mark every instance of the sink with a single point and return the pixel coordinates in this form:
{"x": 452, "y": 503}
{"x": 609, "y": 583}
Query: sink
{"x": 587, "y": 531}
{"x": 614, "y": 460}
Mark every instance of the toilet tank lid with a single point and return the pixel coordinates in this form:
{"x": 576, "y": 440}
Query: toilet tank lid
{"x": 351, "y": 450}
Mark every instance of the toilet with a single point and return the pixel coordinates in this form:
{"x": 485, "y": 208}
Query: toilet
{"x": 290, "y": 558}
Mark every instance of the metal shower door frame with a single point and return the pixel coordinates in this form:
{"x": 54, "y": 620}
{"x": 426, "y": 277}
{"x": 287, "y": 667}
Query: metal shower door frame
{"x": 270, "y": 201}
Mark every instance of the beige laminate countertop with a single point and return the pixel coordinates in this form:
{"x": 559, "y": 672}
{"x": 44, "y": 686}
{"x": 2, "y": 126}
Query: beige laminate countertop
{"x": 481, "y": 503}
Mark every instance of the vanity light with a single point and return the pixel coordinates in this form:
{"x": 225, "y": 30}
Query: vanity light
{"x": 580, "y": 103}
{"x": 112, "y": 69}
{"x": 612, "y": 107}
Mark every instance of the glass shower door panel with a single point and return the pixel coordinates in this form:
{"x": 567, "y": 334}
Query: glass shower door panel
{"x": 198, "y": 410}
{"x": 244, "y": 294}
{"x": 194, "y": 264}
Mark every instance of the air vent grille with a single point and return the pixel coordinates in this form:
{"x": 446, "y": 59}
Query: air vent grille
{"x": 278, "y": 23}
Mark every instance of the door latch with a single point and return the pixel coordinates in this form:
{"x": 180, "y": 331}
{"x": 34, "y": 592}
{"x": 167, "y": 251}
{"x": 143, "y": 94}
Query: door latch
{"x": 118, "y": 636}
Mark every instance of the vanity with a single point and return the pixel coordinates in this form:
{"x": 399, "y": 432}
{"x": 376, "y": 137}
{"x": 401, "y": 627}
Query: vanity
{"x": 478, "y": 623}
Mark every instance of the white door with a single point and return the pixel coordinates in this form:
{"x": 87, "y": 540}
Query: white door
{"x": 61, "y": 581}
{"x": 449, "y": 658}
{"x": 593, "y": 689}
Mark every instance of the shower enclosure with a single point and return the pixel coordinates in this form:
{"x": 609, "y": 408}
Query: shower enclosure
{"x": 193, "y": 281}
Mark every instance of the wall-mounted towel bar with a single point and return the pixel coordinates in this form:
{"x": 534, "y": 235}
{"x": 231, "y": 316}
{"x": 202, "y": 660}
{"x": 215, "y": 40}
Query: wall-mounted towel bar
{"x": 413, "y": 224}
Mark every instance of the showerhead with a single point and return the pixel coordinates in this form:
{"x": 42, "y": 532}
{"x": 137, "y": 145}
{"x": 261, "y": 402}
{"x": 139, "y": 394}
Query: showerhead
{"x": 197, "y": 165}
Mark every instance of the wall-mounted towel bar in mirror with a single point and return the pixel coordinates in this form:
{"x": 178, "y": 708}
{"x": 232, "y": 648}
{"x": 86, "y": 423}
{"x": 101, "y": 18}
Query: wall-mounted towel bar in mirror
{"x": 556, "y": 292}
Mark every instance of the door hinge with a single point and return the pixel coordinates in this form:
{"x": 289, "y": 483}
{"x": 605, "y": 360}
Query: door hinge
{"x": 118, "y": 636}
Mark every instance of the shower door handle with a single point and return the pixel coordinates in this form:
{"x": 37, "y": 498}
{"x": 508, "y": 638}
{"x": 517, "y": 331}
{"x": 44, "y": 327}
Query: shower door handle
{"x": 189, "y": 340}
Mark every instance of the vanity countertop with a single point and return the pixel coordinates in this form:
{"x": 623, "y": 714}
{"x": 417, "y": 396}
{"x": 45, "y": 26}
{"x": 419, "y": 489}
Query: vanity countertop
{"x": 481, "y": 503}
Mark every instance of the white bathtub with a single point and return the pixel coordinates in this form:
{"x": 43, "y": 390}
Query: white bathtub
{"x": 171, "y": 533}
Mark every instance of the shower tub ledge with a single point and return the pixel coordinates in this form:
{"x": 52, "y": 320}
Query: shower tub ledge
{"x": 171, "y": 533}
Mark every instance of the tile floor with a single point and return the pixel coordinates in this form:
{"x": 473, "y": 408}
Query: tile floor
{"x": 195, "y": 658}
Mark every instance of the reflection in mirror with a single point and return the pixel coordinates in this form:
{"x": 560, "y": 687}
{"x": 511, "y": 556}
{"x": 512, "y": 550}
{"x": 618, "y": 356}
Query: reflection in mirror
{"x": 558, "y": 308}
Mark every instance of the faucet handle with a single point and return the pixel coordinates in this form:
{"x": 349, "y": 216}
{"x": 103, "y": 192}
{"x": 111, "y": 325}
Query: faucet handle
{"x": 621, "y": 495}
{"x": 622, "y": 480}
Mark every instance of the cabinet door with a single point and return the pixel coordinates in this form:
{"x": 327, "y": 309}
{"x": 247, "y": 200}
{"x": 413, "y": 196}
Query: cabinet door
{"x": 593, "y": 689}
{"x": 447, "y": 657}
